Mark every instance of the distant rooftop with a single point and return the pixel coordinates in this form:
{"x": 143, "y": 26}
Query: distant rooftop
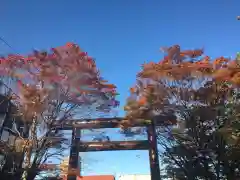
{"x": 100, "y": 177}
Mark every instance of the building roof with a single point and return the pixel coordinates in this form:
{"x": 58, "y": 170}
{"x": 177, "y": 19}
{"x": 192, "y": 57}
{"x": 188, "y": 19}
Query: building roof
{"x": 135, "y": 177}
{"x": 102, "y": 177}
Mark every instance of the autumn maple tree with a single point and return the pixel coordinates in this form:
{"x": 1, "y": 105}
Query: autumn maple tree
{"x": 52, "y": 86}
{"x": 203, "y": 94}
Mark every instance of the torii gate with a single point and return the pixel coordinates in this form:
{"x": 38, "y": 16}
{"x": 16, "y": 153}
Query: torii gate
{"x": 77, "y": 146}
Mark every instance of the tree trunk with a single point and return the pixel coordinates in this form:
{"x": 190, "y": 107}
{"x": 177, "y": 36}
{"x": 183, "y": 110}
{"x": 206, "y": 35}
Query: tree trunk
{"x": 31, "y": 174}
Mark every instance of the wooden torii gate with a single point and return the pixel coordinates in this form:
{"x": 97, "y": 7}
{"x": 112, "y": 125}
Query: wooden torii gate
{"x": 77, "y": 146}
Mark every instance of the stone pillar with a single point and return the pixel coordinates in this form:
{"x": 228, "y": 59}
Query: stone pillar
{"x": 153, "y": 152}
{"x": 74, "y": 154}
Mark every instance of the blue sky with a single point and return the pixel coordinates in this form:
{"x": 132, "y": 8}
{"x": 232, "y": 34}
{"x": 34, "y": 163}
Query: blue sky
{"x": 121, "y": 35}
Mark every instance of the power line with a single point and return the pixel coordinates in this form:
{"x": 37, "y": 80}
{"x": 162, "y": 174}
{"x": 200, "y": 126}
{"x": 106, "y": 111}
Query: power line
{"x": 9, "y": 80}
{"x": 7, "y": 44}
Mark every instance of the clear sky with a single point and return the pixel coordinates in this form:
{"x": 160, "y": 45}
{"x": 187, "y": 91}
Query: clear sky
{"x": 121, "y": 35}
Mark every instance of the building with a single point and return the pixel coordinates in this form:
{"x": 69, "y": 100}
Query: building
{"x": 8, "y": 135}
{"x": 102, "y": 177}
{"x": 135, "y": 177}
{"x": 7, "y": 117}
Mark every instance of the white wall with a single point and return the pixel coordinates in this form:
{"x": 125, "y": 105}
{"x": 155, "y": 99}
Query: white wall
{"x": 135, "y": 177}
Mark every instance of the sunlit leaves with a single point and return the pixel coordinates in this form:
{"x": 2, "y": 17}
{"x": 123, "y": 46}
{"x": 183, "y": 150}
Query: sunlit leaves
{"x": 54, "y": 85}
{"x": 203, "y": 93}
{"x": 67, "y": 69}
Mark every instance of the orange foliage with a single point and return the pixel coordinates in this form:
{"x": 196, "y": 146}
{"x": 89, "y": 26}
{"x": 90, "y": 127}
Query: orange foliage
{"x": 66, "y": 67}
{"x": 223, "y": 69}
{"x": 192, "y": 53}
{"x": 132, "y": 90}
{"x": 142, "y": 101}
{"x": 46, "y": 84}
{"x": 158, "y": 82}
